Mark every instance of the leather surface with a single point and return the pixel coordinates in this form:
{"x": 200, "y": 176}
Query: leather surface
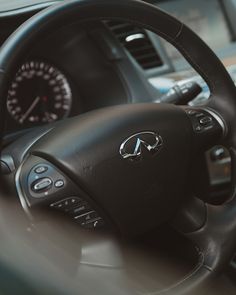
{"x": 136, "y": 195}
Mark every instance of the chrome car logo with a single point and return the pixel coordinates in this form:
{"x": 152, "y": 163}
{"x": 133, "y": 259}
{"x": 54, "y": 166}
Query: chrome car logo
{"x": 140, "y": 144}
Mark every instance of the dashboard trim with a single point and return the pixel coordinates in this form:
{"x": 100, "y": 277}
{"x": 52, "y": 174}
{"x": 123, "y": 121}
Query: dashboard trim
{"x": 26, "y": 9}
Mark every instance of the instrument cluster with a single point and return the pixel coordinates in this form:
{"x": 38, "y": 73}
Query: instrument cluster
{"x": 40, "y": 93}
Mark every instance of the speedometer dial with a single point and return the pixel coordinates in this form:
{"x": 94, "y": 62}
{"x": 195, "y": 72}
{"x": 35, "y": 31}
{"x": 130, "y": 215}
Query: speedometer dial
{"x": 40, "y": 93}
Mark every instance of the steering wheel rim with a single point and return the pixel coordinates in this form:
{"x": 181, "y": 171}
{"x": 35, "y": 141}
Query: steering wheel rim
{"x": 215, "y": 238}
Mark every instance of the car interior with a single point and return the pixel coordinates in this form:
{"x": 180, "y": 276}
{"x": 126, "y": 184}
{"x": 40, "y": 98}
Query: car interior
{"x": 118, "y": 147}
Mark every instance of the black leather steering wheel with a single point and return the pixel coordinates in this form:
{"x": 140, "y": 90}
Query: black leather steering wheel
{"x": 131, "y": 162}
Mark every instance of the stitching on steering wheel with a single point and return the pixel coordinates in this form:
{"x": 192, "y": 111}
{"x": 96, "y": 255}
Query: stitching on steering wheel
{"x": 192, "y": 273}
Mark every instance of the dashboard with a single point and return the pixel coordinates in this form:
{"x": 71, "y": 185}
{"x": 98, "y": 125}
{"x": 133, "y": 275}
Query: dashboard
{"x": 206, "y": 18}
{"x": 90, "y": 65}
{"x": 71, "y": 72}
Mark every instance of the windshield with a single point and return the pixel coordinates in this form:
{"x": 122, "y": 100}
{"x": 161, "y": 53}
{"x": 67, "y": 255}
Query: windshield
{"x": 6, "y": 5}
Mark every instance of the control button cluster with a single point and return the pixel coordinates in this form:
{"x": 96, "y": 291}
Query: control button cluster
{"x": 45, "y": 185}
{"x": 205, "y": 120}
{"x": 44, "y": 180}
{"x": 201, "y": 121}
{"x": 80, "y": 211}
{"x": 90, "y": 219}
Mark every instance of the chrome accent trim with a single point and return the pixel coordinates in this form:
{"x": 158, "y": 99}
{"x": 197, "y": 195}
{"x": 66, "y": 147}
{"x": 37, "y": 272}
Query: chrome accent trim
{"x": 140, "y": 142}
{"x": 134, "y": 37}
{"x": 37, "y": 186}
{"x": 218, "y": 118}
{"x": 84, "y": 214}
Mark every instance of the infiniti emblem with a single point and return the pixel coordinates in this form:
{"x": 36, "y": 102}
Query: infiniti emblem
{"x": 140, "y": 144}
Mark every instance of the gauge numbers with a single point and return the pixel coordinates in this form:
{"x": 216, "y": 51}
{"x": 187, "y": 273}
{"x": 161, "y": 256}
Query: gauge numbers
{"x": 40, "y": 93}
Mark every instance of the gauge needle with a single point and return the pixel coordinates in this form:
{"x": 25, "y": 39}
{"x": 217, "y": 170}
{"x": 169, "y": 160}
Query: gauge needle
{"x": 30, "y": 109}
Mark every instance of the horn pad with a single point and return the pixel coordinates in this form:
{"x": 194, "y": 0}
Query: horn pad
{"x": 132, "y": 161}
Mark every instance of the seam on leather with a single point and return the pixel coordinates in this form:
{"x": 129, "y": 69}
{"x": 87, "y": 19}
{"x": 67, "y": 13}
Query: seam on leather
{"x": 180, "y": 31}
{"x": 199, "y": 265}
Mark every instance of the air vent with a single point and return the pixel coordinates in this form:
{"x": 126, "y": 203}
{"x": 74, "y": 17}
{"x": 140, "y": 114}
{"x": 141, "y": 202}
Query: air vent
{"x": 137, "y": 42}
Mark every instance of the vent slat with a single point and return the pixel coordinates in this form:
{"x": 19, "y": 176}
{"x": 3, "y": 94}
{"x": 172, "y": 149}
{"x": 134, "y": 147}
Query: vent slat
{"x": 122, "y": 35}
{"x": 140, "y": 46}
{"x": 141, "y": 49}
{"x": 145, "y": 56}
{"x": 151, "y": 65}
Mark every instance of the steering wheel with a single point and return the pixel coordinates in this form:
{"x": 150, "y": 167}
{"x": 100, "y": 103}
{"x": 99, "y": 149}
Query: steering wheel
{"x": 130, "y": 163}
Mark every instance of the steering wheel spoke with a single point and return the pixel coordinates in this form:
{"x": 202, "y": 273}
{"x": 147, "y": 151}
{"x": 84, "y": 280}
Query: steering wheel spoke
{"x": 209, "y": 128}
{"x": 40, "y": 184}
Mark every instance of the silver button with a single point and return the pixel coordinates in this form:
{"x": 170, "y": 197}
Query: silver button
{"x": 40, "y": 169}
{"x": 59, "y": 183}
{"x": 42, "y": 184}
{"x": 206, "y": 120}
